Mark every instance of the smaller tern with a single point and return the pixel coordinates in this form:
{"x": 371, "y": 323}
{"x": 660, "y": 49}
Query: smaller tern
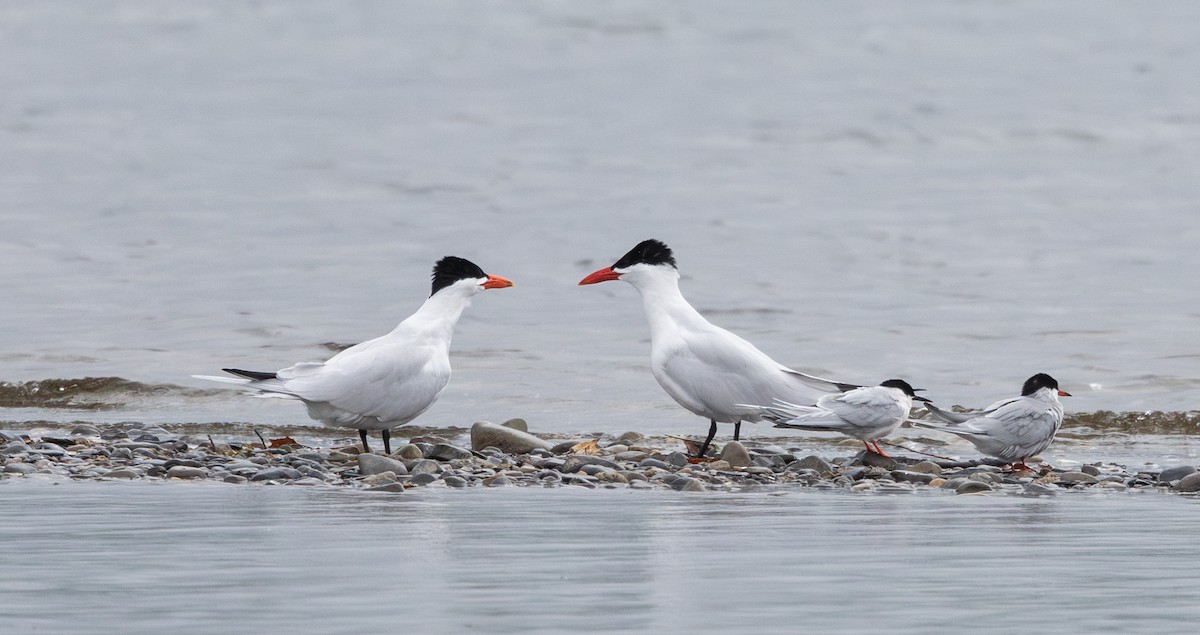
{"x": 390, "y": 380}
{"x": 1011, "y": 430}
{"x": 866, "y": 413}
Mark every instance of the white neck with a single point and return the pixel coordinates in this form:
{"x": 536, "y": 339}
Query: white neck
{"x": 438, "y": 316}
{"x": 666, "y": 309}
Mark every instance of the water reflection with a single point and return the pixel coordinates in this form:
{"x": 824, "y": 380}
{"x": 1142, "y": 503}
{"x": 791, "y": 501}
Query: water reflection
{"x": 170, "y": 556}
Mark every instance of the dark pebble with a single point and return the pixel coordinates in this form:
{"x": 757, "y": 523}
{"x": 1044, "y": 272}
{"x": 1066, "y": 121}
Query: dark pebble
{"x": 424, "y": 479}
{"x": 277, "y": 474}
{"x": 1175, "y": 473}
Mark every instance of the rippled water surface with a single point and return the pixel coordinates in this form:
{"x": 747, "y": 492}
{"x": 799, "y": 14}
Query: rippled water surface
{"x": 128, "y": 558}
{"x": 960, "y": 194}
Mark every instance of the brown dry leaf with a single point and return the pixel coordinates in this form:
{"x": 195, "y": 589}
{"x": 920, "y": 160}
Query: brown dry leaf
{"x": 279, "y": 443}
{"x": 693, "y": 447}
{"x": 586, "y": 447}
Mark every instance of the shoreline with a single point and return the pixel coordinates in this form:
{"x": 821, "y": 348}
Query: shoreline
{"x": 490, "y": 455}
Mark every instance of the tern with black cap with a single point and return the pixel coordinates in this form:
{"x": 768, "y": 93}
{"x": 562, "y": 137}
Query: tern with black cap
{"x": 390, "y": 380}
{"x": 706, "y": 369}
{"x": 1012, "y": 430}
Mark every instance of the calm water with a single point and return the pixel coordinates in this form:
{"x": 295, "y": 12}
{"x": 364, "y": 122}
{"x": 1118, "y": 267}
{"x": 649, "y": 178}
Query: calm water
{"x": 960, "y": 194}
{"x": 126, "y": 558}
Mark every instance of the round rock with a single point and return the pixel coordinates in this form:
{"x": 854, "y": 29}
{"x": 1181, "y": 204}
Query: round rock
{"x": 736, "y": 454}
{"x": 1189, "y": 483}
{"x": 506, "y": 439}
{"x": 371, "y": 464}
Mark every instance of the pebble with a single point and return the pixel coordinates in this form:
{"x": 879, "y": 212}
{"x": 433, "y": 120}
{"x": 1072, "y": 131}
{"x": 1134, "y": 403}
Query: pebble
{"x": 815, "y": 463}
{"x": 505, "y": 438}
{"x": 1077, "y": 477}
{"x": 276, "y": 474}
{"x": 871, "y": 459}
{"x": 736, "y": 454}
{"x": 423, "y": 478}
{"x": 1175, "y": 473}
{"x": 1189, "y": 483}
{"x": 517, "y": 424}
{"x": 186, "y": 472}
{"x": 972, "y": 487}
{"x": 20, "y": 468}
{"x": 369, "y": 464}
{"x": 925, "y": 467}
{"x": 424, "y": 466}
{"x": 409, "y": 452}
{"x": 447, "y": 452}
{"x": 575, "y": 462}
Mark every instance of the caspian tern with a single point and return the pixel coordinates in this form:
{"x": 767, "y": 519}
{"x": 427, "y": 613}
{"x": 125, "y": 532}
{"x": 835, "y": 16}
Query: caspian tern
{"x": 1011, "y": 430}
{"x": 866, "y": 413}
{"x": 390, "y": 380}
{"x": 708, "y": 370}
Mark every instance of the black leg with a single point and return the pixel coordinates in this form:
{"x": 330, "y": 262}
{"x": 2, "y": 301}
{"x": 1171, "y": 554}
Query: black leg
{"x": 712, "y": 432}
{"x": 387, "y": 440}
{"x": 737, "y": 430}
{"x": 362, "y": 434}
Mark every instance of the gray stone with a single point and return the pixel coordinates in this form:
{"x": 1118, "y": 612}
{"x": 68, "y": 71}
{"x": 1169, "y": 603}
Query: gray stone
{"x": 652, "y": 462}
{"x": 736, "y": 454}
{"x": 410, "y": 452}
{"x": 678, "y": 459}
{"x": 85, "y": 430}
{"x": 447, "y": 452}
{"x": 632, "y": 475}
{"x": 454, "y": 481}
{"x": 16, "y": 447}
{"x": 575, "y": 462}
{"x": 517, "y": 424}
{"x": 424, "y": 466}
{"x": 234, "y": 478}
{"x": 912, "y": 477}
{"x": 370, "y": 464}
{"x": 1037, "y": 489}
{"x": 871, "y": 459}
{"x": 123, "y": 473}
{"x": 1090, "y": 469}
{"x": 394, "y": 488}
{"x": 954, "y": 483}
{"x": 685, "y": 484}
{"x": 1189, "y": 483}
{"x": 972, "y": 487}
{"x": 1077, "y": 477}
{"x": 505, "y": 438}
{"x": 186, "y": 472}
{"x": 277, "y": 474}
{"x": 424, "y": 478}
{"x": 19, "y": 468}
{"x": 812, "y": 462}
{"x": 925, "y": 467}
{"x": 497, "y": 481}
{"x": 629, "y": 438}
{"x": 1175, "y": 473}
{"x": 630, "y": 455}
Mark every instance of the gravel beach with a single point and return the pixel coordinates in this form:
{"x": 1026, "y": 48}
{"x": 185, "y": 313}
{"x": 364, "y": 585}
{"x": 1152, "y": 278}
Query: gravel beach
{"x": 491, "y": 455}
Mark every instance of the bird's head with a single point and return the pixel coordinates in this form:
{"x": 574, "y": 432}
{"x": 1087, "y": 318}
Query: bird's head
{"x": 905, "y": 388}
{"x": 453, "y": 272}
{"x": 649, "y": 257}
{"x": 1042, "y": 381}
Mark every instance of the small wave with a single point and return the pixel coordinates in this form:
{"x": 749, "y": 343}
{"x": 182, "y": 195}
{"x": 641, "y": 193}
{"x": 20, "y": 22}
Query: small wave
{"x": 88, "y": 393}
{"x": 1104, "y": 423}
